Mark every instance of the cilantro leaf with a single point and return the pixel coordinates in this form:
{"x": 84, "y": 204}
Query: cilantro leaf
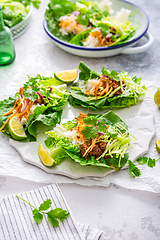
{"x": 151, "y": 162}
{"x": 30, "y": 94}
{"x": 53, "y": 221}
{"x": 90, "y": 132}
{"x": 38, "y": 217}
{"x": 91, "y": 120}
{"x": 134, "y": 171}
{"x": 142, "y": 160}
{"x": 53, "y": 215}
{"x": 96, "y": 126}
{"x": 112, "y": 74}
{"x": 44, "y": 206}
{"x": 101, "y": 127}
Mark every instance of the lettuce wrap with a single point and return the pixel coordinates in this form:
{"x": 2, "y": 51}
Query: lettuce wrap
{"x": 108, "y": 89}
{"x": 41, "y": 99}
{"x": 91, "y": 140}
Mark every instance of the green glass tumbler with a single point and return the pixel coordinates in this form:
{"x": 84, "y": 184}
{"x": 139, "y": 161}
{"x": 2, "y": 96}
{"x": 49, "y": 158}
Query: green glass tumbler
{"x": 7, "y": 51}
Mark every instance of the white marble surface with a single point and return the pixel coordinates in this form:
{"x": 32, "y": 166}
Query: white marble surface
{"x": 121, "y": 213}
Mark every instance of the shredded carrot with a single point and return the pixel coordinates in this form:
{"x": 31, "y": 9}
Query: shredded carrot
{"x": 103, "y": 41}
{"x": 25, "y": 113}
{"x": 80, "y": 125}
{"x": 70, "y": 21}
{"x": 7, "y": 121}
{"x": 9, "y": 112}
{"x": 103, "y": 86}
{"x": 17, "y": 108}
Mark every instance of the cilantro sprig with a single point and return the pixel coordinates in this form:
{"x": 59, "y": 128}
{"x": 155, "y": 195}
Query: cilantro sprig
{"x": 134, "y": 170}
{"x": 54, "y": 215}
{"x": 95, "y": 126}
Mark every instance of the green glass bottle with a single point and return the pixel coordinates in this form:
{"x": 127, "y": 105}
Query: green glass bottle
{"x": 7, "y": 52}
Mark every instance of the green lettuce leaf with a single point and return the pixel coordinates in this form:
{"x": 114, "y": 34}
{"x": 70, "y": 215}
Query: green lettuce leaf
{"x": 109, "y": 163}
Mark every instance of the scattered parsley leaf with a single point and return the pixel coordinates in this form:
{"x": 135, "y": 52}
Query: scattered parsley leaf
{"x": 142, "y": 160}
{"x": 53, "y": 215}
{"x": 44, "y": 206}
{"x": 134, "y": 171}
{"x": 151, "y": 162}
{"x": 38, "y": 217}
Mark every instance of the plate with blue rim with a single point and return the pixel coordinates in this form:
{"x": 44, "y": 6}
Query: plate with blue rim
{"x": 139, "y": 17}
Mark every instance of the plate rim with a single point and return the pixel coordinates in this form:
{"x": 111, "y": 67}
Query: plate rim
{"x": 76, "y": 47}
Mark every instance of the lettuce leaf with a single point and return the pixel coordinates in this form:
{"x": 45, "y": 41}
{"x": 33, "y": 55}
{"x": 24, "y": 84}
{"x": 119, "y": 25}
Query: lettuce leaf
{"x": 124, "y": 36}
{"x": 109, "y": 163}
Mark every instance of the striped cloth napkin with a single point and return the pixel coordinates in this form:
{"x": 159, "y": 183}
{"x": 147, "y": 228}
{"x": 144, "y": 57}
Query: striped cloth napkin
{"x": 17, "y": 223}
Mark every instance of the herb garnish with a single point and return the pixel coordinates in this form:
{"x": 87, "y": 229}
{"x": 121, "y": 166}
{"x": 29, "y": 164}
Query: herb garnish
{"x": 53, "y": 215}
{"x": 134, "y": 170}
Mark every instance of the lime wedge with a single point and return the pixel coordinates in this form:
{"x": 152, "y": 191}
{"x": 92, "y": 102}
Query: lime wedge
{"x": 157, "y": 97}
{"x": 158, "y": 145}
{"x": 45, "y": 157}
{"x": 16, "y": 129}
{"x": 66, "y": 76}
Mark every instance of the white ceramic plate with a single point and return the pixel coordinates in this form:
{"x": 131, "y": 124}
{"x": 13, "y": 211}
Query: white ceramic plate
{"x": 127, "y": 48}
{"x": 139, "y": 120}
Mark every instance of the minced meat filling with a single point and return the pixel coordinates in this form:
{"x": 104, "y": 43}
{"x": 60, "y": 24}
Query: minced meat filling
{"x": 97, "y": 150}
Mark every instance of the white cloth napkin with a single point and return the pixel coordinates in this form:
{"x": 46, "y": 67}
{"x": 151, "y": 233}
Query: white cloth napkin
{"x": 17, "y": 223}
